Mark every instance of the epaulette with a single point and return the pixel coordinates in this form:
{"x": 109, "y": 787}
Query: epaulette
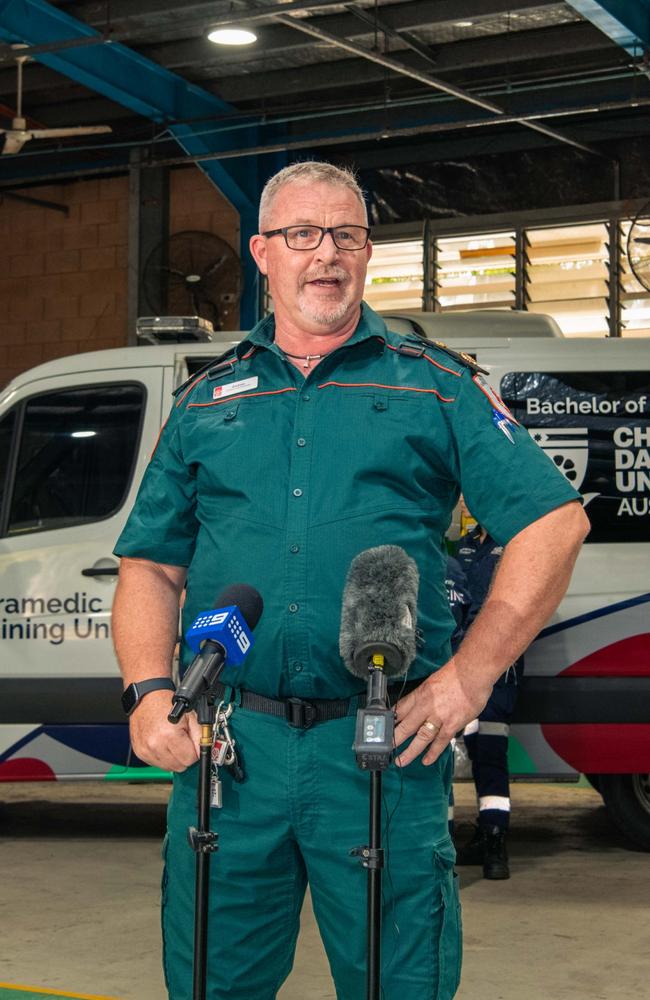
{"x": 216, "y": 366}
{"x": 464, "y": 359}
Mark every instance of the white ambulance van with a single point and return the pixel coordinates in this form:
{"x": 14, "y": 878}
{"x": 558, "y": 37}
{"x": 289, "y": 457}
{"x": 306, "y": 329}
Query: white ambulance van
{"x": 75, "y": 438}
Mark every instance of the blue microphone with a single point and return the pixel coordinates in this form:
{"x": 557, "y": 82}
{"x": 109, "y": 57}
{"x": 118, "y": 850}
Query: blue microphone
{"x": 224, "y": 633}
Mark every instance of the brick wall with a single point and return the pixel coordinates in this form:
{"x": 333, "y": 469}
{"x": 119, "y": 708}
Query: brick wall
{"x": 63, "y": 279}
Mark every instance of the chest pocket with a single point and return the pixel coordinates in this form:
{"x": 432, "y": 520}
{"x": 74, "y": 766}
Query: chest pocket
{"x": 239, "y": 452}
{"x": 382, "y": 450}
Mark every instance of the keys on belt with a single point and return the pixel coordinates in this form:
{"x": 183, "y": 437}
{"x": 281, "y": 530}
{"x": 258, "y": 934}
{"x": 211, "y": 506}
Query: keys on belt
{"x": 224, "y": 754}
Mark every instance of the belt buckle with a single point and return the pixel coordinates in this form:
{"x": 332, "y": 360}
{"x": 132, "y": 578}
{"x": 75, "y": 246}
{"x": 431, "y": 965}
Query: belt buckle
{"x": 300, "y": 714}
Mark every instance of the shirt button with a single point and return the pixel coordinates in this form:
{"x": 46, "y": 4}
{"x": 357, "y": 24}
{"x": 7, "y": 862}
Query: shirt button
{"x": 293, "y": 608}
{"x": 297, "y": 666}
{"x": 306, "y": 397}
{"x": 294, "y": 548}
{"x": 297, "y": 493}
{"x": 301, "y": 442}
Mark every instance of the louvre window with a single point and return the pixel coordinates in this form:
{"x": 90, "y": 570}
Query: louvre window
{"x": 476, "y": 272}
{"x": 635, "y": 299}
{"x": 395, "y": 276}
{"x": 566, "y": 276}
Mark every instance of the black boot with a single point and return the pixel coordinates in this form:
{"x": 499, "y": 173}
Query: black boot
{"x": 472, "y": 853}
{"x": 495, "y": 854}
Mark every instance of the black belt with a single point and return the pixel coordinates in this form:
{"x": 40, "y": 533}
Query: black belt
{"x": 303, "y": 714}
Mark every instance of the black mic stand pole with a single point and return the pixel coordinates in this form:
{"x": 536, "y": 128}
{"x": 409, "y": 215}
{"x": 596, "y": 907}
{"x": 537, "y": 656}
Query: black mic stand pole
{"x": 375, "y": 865}
{"x": 374, "y": 752}
{"x": 203, "y": 842}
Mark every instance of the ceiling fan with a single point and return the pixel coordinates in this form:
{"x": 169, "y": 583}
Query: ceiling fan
{"x": 19, "y": 133}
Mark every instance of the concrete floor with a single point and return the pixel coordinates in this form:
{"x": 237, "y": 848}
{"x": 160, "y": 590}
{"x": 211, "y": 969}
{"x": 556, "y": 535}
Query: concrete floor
{"x": 80, "y": 870}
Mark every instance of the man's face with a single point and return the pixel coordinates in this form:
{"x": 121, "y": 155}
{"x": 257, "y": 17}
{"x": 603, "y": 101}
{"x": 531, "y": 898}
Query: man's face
{"x": 315, "y": 291}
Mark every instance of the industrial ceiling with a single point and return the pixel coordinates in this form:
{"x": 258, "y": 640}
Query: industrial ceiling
{"x": 381, "y": 82}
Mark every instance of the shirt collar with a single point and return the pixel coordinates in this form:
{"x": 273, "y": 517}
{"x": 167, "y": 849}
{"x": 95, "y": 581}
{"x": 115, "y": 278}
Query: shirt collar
{"x": 263, "y": 333}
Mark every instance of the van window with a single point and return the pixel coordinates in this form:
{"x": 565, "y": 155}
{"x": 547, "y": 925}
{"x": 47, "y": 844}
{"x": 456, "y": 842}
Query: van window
{"x": 6, "y": 436}
{"x": 75, "y": 456}
{"x": 595, "y": 426}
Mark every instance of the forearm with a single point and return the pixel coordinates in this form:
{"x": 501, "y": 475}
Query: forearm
{"x": 145, "y": 618}
{"x": 530, "y": 581}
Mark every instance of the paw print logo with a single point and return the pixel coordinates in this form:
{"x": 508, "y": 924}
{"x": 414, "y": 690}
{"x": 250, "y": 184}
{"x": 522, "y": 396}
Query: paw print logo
{"x": 567, "y": 448}
{"x": 567, "y": 467}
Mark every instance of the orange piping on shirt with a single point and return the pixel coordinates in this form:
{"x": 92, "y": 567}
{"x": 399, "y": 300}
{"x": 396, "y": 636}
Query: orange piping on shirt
{"x": 247, "y": 395}
{"x": 431, "y": 362}
{"x": 378, "y": 385}
{"x": 190, "y": 387}
{"x": 155, "y": 447}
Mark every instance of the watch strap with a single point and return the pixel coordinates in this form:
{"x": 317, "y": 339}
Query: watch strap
{"x": 134, "y": 693}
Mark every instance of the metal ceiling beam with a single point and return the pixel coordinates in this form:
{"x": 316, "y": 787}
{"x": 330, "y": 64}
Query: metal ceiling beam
{"x": 419, "y": 13}
{"x": 356, "y": 136}
{"x": 380, "y": 26}
{"x": 124, "y": 18}
{"x": 275, "y": 39}
{"x": 626, "y": 22}
{"x": 516, "y": 51}
{"x": 428, "y": 80}
{"x": 122, "y": 12}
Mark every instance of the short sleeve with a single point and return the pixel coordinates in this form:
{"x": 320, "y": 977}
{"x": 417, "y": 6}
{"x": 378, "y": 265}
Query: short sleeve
{"x": 162, "y": 525}
{"x": 507, "y": 480}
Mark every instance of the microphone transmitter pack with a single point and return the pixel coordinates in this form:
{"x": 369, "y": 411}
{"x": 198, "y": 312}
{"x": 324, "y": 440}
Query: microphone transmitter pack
{"x": 373, "y": 738}
{"x": 373, "y": 735}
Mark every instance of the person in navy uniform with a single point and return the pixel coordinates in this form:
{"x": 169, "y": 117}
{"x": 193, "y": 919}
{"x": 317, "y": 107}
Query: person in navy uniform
{"x": 486, "y": 738}
{"x": 459, "y": 597}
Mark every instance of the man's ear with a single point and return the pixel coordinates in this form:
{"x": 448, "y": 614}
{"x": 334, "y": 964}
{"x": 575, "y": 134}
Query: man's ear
{"x": 257, "y": 247}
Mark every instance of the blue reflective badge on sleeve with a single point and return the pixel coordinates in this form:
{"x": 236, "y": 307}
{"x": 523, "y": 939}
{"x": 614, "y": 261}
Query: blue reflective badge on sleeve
{"x": 502, "y": 422}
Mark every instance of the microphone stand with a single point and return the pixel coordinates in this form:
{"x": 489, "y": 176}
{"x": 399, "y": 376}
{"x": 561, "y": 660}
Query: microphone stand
{"x": 197, "y": 692}
{"x": 203, "y": 842}
{"x": 373, "y": 747}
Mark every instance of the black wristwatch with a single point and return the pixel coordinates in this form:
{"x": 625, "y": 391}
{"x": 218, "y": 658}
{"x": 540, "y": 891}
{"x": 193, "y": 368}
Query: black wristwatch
{"x": 133, "y": 695}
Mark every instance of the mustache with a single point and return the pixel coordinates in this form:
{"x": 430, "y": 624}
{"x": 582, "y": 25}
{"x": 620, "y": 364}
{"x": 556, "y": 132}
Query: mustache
{"x": 324, "y": 273}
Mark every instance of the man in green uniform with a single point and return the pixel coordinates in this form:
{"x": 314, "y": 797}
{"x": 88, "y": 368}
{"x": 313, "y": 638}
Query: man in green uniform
{"x": 321, "y": 435}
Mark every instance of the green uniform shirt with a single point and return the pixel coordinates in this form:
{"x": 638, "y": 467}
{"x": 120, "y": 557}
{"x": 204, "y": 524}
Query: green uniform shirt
{"x": 266, "y": 478}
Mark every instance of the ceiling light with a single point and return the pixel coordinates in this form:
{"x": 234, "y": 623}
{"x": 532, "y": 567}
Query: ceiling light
{"x": 232, "y": 36}
{"x": 464, "y": 24}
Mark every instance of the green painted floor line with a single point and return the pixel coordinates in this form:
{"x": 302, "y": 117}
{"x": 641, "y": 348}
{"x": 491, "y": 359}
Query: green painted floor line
{"x": 12, "y": 991}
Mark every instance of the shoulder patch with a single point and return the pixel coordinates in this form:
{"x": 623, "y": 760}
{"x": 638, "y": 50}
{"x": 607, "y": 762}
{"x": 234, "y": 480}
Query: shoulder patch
{"x": 498, "y": 406}
{"x": 464, "y": 359}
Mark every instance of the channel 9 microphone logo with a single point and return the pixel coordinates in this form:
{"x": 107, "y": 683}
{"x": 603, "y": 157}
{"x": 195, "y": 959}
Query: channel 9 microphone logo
{"x": 224, "y": 625}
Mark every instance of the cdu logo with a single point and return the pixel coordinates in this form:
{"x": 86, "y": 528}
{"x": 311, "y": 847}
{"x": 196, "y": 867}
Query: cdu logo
{"x": 568, "y": 449}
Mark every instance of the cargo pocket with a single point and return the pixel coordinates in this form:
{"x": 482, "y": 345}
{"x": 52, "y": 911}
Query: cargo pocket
{"x": 448, "y": 950}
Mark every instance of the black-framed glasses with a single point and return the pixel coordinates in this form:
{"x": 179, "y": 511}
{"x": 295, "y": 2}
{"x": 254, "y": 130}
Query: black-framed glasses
{"x": 310, "y": 237}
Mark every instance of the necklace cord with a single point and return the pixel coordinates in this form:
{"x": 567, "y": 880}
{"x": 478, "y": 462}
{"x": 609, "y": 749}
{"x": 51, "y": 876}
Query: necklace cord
{"x": 305, "y": 357}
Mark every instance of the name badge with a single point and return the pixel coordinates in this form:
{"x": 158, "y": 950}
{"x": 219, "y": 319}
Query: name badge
{"x": 232, "y": 388}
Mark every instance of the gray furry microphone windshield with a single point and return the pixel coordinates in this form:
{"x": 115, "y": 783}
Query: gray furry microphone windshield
{"x": 379, "y": 610}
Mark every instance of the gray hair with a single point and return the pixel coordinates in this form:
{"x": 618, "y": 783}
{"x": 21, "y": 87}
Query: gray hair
{"x": 309, "y": 171}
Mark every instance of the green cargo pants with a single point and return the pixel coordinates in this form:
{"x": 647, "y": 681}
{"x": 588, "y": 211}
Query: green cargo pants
{"x": 302, "y": 808}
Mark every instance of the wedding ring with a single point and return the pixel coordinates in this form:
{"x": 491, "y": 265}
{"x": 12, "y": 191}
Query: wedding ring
{"x": 431, "y": 727}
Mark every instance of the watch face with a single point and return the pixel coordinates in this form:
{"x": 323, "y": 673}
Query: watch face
{"x": 129, "y": 699}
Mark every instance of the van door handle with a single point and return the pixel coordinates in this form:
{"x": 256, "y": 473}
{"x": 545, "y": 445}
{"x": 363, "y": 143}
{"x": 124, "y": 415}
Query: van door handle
{"x": 100, "y": 571}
